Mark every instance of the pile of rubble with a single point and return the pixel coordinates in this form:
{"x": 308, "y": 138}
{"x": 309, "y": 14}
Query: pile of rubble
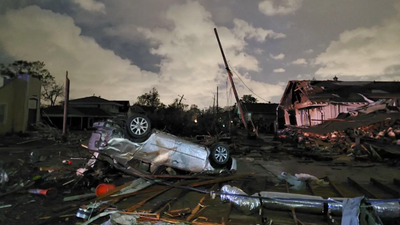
{"x": 370, "y": 141}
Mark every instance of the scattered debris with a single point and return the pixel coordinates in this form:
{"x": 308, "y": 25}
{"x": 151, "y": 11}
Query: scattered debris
{"x": 370, "y": 137}
{"x": 50, "y": 193}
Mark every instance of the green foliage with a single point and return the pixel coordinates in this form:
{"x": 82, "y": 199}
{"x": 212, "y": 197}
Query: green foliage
{"x": 50, "y": 89}
{"x": 249, "y": 99}
{"x": 35, "y": 69}
{"x": 150, "y": 99}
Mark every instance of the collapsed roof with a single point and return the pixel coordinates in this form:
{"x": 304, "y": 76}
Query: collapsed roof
{"x": 340, "y": 92}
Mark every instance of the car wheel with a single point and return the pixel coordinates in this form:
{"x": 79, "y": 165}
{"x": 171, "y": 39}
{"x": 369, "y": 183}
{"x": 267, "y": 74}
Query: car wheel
{"x": 220, "y": 154}
{"x": 138, "y": 126}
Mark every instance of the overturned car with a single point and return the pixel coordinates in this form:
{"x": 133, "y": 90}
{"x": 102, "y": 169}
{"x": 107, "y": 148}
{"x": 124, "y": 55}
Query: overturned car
{"x": 131, "y": 146}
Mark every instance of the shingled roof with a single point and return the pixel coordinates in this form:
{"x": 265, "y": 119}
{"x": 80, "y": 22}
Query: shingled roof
{"x": 91, "y": 100}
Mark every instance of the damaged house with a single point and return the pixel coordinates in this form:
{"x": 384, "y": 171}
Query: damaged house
{"x": 19, "y": 103}
{"x": 83, "y": 112}
{"x": 311, "y": 102}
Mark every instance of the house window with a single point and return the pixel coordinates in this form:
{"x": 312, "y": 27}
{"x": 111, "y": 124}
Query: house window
{"x": 32, "y": 104}
{"x": 3, "y": 113}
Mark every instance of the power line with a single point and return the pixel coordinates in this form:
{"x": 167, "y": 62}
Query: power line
{"x": 247, "y": 86}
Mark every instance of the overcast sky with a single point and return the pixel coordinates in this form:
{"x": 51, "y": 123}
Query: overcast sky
{"x": 120, "y": 49}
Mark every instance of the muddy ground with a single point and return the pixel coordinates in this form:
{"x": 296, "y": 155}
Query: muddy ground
{"x": 254, "y": 156}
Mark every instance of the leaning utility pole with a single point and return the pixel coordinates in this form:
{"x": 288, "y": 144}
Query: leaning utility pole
{"x": 180, "y": 100}
{"x": 66, "y": 99}
{"x": 217, "y": 100}
{"x": 231, "y": 81}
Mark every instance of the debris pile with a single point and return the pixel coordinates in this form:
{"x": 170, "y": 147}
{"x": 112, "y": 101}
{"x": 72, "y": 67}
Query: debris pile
{"x": 355, "y": 136}
{"x": 48, "y": 132}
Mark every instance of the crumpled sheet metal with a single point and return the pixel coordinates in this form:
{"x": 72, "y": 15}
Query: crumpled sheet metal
{"x": 162, "y": 149}
{"x": 287, "y": 201}
{"x": 166, "y": 149}
{"x": 246, "y": 205}
{"x": 387, "y": 210}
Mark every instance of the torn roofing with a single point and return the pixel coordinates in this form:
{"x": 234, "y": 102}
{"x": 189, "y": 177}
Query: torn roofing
{"x": 316, "y": 91}
{"x": 351, "y": 122}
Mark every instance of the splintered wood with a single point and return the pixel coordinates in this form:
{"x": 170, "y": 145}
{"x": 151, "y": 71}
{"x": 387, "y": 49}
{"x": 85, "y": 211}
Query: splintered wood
{"x": 161, "y": 201}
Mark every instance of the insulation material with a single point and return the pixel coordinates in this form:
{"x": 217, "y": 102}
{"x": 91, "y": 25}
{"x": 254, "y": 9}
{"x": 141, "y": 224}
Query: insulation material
{"x": 386, "y": 210}
{"x": 287, "y": 201}
{"x": 247, "y": 205}
{"x": 305, "y": 203}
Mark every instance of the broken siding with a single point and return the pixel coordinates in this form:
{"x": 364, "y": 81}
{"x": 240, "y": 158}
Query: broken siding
{"x": 316, "y": 115}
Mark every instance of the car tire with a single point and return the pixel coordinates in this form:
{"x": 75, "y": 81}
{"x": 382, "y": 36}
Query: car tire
{"x": 219, "y": 154}
{"x": 138, "y": 126}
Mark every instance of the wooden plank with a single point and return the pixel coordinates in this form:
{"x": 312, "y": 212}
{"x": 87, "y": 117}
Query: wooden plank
{"x": 310, "y": 188}
{"x": 225, "y": 218}
{"x": 334, "y": 187}
{"x": 140, "y": 204}
{"x": 176, "y": 221}
{"x": 179, "y": 212}
{"x": 164, "y": 208}
{"x": 220, "y": 180}
{"x": 360, "y": 188}
{"x": 199, "y": 205}
{"x": 294, "y": 217}
{"x": 386, "y": 188}
{"x": 113, "y": 191}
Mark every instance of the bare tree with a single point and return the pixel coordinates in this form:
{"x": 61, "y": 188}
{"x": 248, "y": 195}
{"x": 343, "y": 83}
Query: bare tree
{"x": 51, "y": 90}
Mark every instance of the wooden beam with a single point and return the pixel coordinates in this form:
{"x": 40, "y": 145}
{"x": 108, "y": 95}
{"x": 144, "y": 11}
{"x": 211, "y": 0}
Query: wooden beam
{"x": 386, "y": 188}
{"x": 199, "y": 205}
{"x": 310, "y": 188}
{"x": 161, "y": 211}
{"x": 140, "y": 204}
{"x": 334, "y": 187}
{"x": 294, "y": 217}
{"x": 360, "y": 188}
{"x": 233, "y": 177}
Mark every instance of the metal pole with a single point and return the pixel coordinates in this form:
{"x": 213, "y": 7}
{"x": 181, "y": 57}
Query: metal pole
{"x": 217, "y": 101}
{"x": 66, "y": 99}
{"x": 231, "y": 80}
